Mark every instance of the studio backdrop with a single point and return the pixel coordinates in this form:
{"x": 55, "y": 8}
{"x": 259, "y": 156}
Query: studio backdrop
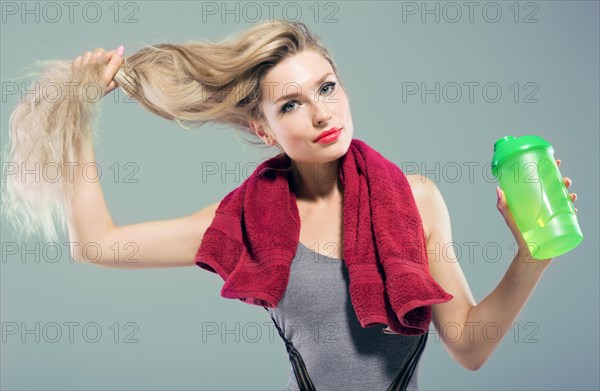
{"x": 432, "y": 85}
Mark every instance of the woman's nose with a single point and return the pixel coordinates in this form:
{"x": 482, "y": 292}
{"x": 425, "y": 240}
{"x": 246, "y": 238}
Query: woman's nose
{"x": 322, "y": 113}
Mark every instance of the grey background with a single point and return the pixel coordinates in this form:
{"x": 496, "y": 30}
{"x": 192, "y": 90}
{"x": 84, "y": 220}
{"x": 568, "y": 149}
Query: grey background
{"x": 554, "y": 343}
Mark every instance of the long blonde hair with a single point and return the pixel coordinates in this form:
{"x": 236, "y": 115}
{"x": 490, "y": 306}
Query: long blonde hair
{"x": 192, "y": 83}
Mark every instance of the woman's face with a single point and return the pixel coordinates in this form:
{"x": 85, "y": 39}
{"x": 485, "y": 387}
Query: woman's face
{"x": 316, "y": 103}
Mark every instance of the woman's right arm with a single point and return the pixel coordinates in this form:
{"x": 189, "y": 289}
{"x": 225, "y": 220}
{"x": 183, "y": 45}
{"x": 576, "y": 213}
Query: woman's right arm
{"x": 93, "y": 235}
{"x": 153, "y": 244}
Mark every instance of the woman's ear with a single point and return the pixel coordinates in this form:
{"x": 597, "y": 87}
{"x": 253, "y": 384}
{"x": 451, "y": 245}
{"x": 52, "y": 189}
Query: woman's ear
{"x": 259, "y": 129}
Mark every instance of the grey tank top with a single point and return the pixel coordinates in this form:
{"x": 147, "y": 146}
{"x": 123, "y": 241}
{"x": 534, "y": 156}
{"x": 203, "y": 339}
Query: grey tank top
{"x": 327, "y": 347}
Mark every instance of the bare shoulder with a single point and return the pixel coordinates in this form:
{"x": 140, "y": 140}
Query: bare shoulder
{"x": 417, "y": 182}
{"x": 426, "y": 195}
{"x": 422, "y": 186}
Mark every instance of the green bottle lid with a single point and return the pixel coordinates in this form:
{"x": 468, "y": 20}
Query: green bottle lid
{"x": 507, "y": 146}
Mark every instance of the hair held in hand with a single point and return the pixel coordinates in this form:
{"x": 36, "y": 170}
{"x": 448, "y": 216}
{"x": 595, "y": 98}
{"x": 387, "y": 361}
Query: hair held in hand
{"x": 191, "y": 83}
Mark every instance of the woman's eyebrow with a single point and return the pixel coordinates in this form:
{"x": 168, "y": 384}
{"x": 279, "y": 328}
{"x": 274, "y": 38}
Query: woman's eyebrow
{"x": 293, "y": 95}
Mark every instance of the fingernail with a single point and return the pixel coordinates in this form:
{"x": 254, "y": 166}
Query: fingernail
{"x": 121, "y": 50}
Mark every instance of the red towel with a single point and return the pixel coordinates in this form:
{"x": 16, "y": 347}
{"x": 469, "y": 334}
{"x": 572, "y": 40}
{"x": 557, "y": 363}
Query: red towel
{"x": 255, "y": 232}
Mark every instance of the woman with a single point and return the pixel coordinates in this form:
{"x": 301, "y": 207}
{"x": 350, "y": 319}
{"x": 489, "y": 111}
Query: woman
{"x": 241, "y": 82}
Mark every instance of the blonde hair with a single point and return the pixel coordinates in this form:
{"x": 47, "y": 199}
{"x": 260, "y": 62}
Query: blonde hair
{"x": 191, "y": 83}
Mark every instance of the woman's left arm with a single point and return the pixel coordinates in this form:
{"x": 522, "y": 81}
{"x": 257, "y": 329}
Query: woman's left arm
{"x": 461, "y": 322}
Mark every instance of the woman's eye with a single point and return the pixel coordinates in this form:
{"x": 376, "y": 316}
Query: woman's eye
{"x": 329, "y": 84}
{"x": 283, "y": 108}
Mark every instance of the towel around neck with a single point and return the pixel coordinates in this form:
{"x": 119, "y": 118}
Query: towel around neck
{"x": 256, "y": 229}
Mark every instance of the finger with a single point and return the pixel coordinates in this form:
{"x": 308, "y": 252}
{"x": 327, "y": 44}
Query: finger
{"x": 113, "y": 66}
{"x": 575, "y": 210}
{"x": 108, "y": 55}
{"x": 558, "y": 162}
{"x": 86, "y": 57}
{"x": 573, "y": 196}
{"x": 76, "y": 63}
{"x": 110, "y": 87}
{"x": 568, "y": 181}
{"x": 97, "y": 54}
{"x": 501, "y": 203}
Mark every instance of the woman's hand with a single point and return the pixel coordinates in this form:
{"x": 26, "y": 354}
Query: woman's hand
{"x": 113, "y": 59}
{"x": 508, "y": 217}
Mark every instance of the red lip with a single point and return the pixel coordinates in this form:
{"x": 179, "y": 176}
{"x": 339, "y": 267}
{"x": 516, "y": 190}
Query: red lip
{"x": 326, "y": 133}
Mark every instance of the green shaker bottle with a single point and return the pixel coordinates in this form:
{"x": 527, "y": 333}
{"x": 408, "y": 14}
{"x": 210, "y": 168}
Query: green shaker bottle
{"x": 536, "y": 195}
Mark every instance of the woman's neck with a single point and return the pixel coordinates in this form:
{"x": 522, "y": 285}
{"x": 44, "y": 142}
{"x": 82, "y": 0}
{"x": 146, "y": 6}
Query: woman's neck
{"x": 317, "y": 183}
